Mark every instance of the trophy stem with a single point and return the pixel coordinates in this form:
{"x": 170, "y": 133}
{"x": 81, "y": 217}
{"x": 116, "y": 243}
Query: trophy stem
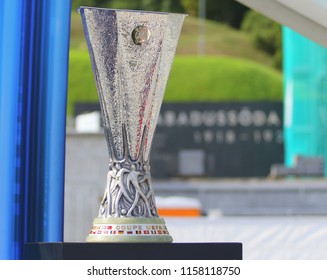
{"x": 128, "y": 191}
{"x": 128, "y": 210}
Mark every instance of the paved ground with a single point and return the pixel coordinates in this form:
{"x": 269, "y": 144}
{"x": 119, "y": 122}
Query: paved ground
{"x": 274, "y": 219}
{"x": 263, "y": 238}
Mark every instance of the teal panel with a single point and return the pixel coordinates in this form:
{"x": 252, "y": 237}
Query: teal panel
{"x": 305, "y": 97}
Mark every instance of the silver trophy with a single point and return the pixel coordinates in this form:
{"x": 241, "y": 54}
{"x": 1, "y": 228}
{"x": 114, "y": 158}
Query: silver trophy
{"x": 131, "y": 54}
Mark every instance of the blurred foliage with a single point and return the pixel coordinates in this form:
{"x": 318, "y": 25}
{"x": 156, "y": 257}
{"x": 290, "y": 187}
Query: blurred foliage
{"x": 220, "y": 40}
{"x": 222, "y": 79}
{"x": 213, "y": 79}
{"x": 91, "y": 3}
{"x": 149, "y": 5}
{"x": 234, "y": 68}
{"x": 226, "y": 11}
{"x": 266, "y": 35}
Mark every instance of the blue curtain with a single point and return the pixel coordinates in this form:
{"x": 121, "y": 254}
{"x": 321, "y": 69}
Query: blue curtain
{"x": 34, "y": 47}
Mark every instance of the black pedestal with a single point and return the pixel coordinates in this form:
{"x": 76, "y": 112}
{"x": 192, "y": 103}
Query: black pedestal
{"x": 133, "y": 251}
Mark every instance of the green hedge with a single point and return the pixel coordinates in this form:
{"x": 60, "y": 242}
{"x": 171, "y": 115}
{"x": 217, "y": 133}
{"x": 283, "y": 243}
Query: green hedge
{"x": 191, "y": 79}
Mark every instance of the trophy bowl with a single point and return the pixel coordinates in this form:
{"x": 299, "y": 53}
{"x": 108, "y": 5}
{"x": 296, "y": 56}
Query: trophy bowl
{"x": 131, "y": 54}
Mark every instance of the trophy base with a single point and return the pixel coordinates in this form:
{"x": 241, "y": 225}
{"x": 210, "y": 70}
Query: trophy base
{"x": 132, "y": 251}
{"x": 129, "y": 230}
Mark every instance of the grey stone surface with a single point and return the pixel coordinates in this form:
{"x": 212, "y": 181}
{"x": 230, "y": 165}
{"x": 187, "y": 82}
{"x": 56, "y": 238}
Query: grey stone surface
{"x": 86, "y": 170}
{"x": 240, "y": 197}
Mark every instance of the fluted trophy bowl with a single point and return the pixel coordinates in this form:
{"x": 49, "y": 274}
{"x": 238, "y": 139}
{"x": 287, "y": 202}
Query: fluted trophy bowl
{"x": 131, "y": 54}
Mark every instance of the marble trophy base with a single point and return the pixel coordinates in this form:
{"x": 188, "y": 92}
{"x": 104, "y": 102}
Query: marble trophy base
{"x": 129, "y": 230}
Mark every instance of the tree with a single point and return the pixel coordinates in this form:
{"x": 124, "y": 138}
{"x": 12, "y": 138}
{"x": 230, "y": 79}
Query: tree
{"x": 91, "y": 3}
{"x": 265, "y": 34}
{"x": 176, "y": 6}
{"x": 191, "y": 7}
{"x": 226, "y": 11}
